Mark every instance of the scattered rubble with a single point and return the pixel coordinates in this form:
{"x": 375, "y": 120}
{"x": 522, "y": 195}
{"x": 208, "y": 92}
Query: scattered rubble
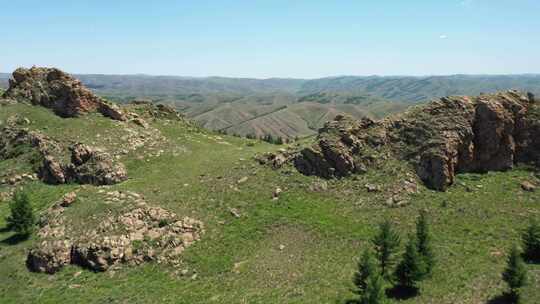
{"x": 18, "y": 178}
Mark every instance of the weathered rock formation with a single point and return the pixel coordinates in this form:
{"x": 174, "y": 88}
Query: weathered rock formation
{"x": 54, "y": 89}
{"x": 15, "y": 140}
{"x": 447, "y": 136}
{"x": 140, "y": 234}
{"x": 86, "y": 165}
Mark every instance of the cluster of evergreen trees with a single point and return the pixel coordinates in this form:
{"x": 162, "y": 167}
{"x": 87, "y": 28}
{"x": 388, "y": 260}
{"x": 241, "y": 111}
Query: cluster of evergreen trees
{"x": 276, "y": 140}
{"x": 515, "y": 273}
{"x": 378, "y": 268}
{"x": 269, "y": 138}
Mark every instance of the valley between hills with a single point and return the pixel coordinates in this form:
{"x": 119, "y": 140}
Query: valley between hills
{"x": 291, "y": 108}
{"x": 141, "y": 194}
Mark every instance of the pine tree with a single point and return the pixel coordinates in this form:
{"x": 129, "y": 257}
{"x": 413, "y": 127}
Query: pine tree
{"x": 411, "y": 269}
{"x": 22, "y": 219}
{"x": 531, "y": 242}
{"x": 423, "y": 238}
{"x": 386, "y": 243}
{"x": 515, "y": 273}
{"x": 374, "y": 292}
{"x": 366, "y": 267}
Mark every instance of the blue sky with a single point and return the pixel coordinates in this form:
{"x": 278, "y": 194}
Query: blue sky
{"x": 273, "y": 38}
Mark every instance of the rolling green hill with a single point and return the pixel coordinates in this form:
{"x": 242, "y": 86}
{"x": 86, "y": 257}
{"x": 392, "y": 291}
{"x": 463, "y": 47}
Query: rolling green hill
{"x": 418, "y": 89}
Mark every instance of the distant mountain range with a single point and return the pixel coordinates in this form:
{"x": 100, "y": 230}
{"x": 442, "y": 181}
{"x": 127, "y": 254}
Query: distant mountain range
{"x": 292, "y": 107}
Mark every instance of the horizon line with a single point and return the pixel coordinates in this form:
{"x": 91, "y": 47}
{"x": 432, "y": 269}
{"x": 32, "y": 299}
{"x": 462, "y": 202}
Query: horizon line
{"x": 302, "y": 78}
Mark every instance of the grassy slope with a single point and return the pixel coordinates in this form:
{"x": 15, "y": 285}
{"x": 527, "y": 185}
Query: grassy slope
{"x": 239, "y": 260}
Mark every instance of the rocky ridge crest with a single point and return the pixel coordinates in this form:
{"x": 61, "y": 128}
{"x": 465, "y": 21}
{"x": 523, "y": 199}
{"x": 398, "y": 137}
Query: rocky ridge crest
{"x": 59, "y": 91}
{"x": 456, "y": 134}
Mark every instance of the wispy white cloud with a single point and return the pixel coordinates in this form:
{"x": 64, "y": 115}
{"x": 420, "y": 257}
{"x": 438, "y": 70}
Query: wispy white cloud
{"x": 443, "y": 36}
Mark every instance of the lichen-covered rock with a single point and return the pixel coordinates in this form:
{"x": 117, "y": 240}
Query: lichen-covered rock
{"x": 59, "y": 91}
{"x": 447, "y": 136}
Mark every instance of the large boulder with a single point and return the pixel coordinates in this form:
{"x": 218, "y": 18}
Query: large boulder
{"x": 59, "y": 91}
{"x": 440, "y": 139}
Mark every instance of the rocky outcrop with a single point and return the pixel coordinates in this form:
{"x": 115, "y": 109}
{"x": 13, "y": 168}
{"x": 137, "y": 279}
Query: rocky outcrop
{"x": 59, "y": 91}
{"x": 59, "y": 165}
{"x": 150, "y": 110}
{"x": 16, "y": 140}
{"x": 341, "y": 149}
{"x": 49, "y": 256}
{"x": 88, "y": 166}
{"x": 152, "y": 233}
{"x": 140, "y": 234}
{"x": 275, "y": 160}
{"x": 112, "y": 111}
{"x": 445, "y": 137}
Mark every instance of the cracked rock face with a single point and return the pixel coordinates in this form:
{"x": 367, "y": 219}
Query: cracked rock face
{"x": 337, "y": 152}
{"x": 59, "y": 91}
{"x": 451, "y": 135}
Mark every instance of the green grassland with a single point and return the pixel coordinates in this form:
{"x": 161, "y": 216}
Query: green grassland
{"x": 301, "y": 248}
